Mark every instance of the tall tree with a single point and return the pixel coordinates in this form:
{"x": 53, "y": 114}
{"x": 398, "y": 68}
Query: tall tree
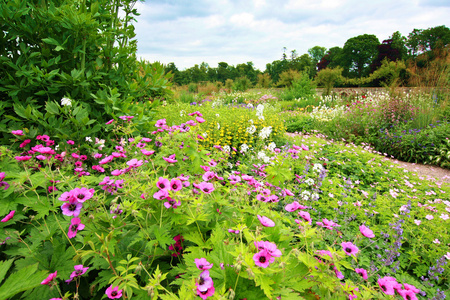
{"x": 359, "y": 53}
{"x": 332, "y": 59}
{"x": 317, "y": 53}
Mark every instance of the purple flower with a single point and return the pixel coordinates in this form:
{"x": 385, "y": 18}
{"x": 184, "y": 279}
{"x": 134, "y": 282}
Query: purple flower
{"x": 71, "y": 208}
{"x": 202, "y": 264}
{"x": 265, "y": 221}
{"x": 79, "y": 270}
{"x": 75, "y": 225}
{"x": 349, "y": 248}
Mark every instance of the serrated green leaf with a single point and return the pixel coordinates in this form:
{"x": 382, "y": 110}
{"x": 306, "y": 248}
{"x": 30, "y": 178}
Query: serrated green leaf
{"x": 52, "y": 107}
{"x": 4, "y": 267}
{"x": 25, "y": 279}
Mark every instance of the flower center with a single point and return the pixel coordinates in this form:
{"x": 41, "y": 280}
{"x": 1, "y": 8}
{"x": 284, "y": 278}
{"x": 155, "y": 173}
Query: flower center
{"x": 262, "y": 259}
{"x": 202, "y": 281}
{"x": 383, "y": 287}
{"x": 80, "y": 196}
{"x": 72, "y": 207}
{"x": 114, "y": 293}
{"x": 348, "y": 250}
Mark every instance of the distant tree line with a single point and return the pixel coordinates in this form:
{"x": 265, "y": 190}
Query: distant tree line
{"x": 360, "y": 57}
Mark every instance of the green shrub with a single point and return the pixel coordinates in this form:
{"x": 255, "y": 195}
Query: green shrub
{"x": 242, "y": 84}
{"x": 301, "y": 88}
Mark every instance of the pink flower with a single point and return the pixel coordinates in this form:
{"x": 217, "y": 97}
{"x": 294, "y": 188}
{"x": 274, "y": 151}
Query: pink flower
{"x": 70, "y": 142}
{"x": 109, "y": 122}
{"x": 234, "y": 179}
{"x": 113, "y": 293}
{"x": 349, "y": 248}
{"x": 171, "y": 203}
{"x": 176, "y": 185}
{"x": 134, "y": 163}
{"x": 79, "y": 270}
{"x": 362, "y": 272}
{"x": 163, "y": 183}
{"x": 49, "y": 278}
{"x": 208, "y": 293}
{"x": 202, "y": 264}
{"x": 23, "y": 158}
{"x": 71, "y": 208}
{"x": 17, "y": 132}
{"x": 106, "y": 160}
{"x": 8, "y": 216}
{"x": 293, "y": 206}
{"x": 171, "y": 159}
{"x": 271, "y": 248}
{"x": 289, "y": 193}
{"x": 82, "y": 194}
{"x": 160, "y": 123}
{"x": 205, "y": 187}
{"x": 208, "y": 175}
{"x": 429, "y": 217}
{"x": 265, "y": 221}
{"x": 24, "y": 143}
{"x": 204, "y": 281}
{"x": 305, "y": 216}
{"x": 417, "y": 222}
{"x": 161, "y": 195}
{"x": 366, "y": 231}
{"x": 338, "y": 273}
{"x": 304, "y": 147}
{"x": 262, "y": 258}
{"x": 388, "y": 285}
{"x": 75, "y": 225}
{"x": 200, "y": 119}
{"x": 147, "y": 152}
{"x": 407, "y": 294}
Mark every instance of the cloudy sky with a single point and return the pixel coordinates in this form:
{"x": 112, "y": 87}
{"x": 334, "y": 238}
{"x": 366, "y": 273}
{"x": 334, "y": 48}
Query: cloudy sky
{"x": 189, "y": 32}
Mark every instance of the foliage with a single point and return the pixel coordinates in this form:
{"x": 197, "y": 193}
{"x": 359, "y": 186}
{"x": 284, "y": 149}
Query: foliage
{"x": 242, "y": 84}
{"x": 301, "y": 88}
{"x": 328, "y": 78}
{"x": 264, "y": 80}
{"x": 287, "y": 78}
{"x": 63, "y": 49}
{"x": 359, "y": 52}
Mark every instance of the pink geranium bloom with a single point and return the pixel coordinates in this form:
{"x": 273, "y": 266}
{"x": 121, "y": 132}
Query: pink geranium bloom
{"x": 305, "y": 216}
{"x": 200, "y": 119}
{"x": 196, "y": 113}
{"x": 362, "y": 272}
{"x": 325, "y": 252}
{"x": 270, "y": 247}
{"x": 171, "y": 203}
{"x": 262, "y": 258}
{"x": 411, "y": 287}
{"x": 160, "y": 123}
{"x": 106, "y": 160}
{"x": 288, "y": 192}
{"x": 176, "y": 185}
{"x": 204, "y": 281}
{"x": 265, "y": 221}
{"x": 8, "y": 216}
{"x": 171, "y": 159}
{"x": 366, "y": 231}
{"x": 2, "y": 176}
{"x": 208, "y": 293}
{"x": 17, "y": 132}
{"x": 24, "y": 143}
{"x": 205, "y": 187}
{"x": 388, "y": 285}
{"x": 208, "y": 175}
{"x": 82, "y": 194}
{"x": 147, "y": 152}
{"x": 109, "y": 122}
{"x": 202, "y": 264}
{"x": 71, "y": 208}
{"x": 338, "y": 273}
{"x": 23, "y": 158}
{"x": 134, "y": 163}
{"x": 407, "y": 294}
{"x": 49, "y": 278}
{"x": 117, "y": 172}
{"x": 304, "y": 147}
{"x": 234, "y": 179}
{"x": 349, "y": 248}
{"x": 75, "y": 225}
{"x": 163, "y": 183}
{"x": 70, "y": 142}
{"x": 79, "y": 270}
{"x": 113, "y": 293}
{"x": 294, "y": 206}
{"x": 161, "y": 195}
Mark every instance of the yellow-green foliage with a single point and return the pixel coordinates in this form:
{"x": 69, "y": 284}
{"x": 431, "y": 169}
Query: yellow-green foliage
{"x": 227, "y": 125}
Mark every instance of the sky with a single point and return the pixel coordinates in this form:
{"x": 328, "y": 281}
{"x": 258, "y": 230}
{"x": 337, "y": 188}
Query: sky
{"x": 189, "y": 32}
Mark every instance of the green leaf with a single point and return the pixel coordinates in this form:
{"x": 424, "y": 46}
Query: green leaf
{"x": 25, "y": 279}
{"x": 51, "y": 41}
{"x": 4, "y": 267}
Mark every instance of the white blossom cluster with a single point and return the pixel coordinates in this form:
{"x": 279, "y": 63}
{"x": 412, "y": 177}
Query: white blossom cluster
{"x": 251, "y": 129}
{"x": 265, "y": 132}
{"x": 309, "y": 181}
{"x": 259, "y": 111}
{"x": 317, "y": 168}
{"x": 227, "y": 148}
{"x": 271, "y": 146}
{"x": 66, "y": 102}
{"x": 262, "y": 156}
{"x": 244, "y": 148}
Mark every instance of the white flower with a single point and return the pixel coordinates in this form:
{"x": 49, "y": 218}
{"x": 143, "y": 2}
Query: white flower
{"x": 226, "y": 148}
{"x": 436, "y": 241}
{"x": 251, "y": 129}
{"x": 447, "y": 256}
{"x": 305, "y": 195}
{"x": 205, "y": 135}
{"x": 417, "y": 222}
{"x": 272, "y": 146}
{"x": 88, "y": 139}
{"x": 309, "y": 181}
{"x": 265, "y": 132}
{"x": 244, "y": 148}
{"x": 182, "y": 113}
{"x": 66, "y": 101}
{"x": 317, "y": 168}
{"x": 218, "y": 126}
{"x": 217, "y": 115}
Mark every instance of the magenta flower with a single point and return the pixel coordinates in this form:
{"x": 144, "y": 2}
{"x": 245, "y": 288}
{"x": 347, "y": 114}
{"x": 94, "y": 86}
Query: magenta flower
{"x": 366, "y": 231}
{"x": 262, "y": 258}
{"x": 338, "y": 273}
{"x": 171, "y": 203}
{"x": 163, "y": 183}
{"x": 205, "y": 187}
{"x": 8, "y": 216}
{"x": 24, "y": 143}
{"x": 407, "y": 294}
{"x": 325, "y": 252}
{"x": 113, "y": 293}
{"x": 202, "y": 264}
{"x": 176, "y": 185}
{"x": 294, "y": 206}
{"x": 349, "y": 248}
{"x": 23, "y": 158}
{"x": 79, "y": 270}
{"x": 305, "y": 216}
{"x": 171, "y": 159}
{"x": 160, "y": 123}
{"x": 147, "y": 152}
{"x": 304, "y": 147}
{"x": 70, "y": 142}
{"x": 265, "y": 221}
{"x": 208, "y": 293}
{"x": 362, "y": 272}
{"x": 388, "y": 285}
{"x": 17, "y": 132}
{"x": 234, "y": 179}
{"x": 82, "y": 194}
{"x": 200, "y": 119}
{"x": 271, "y": 248}
{"x": 204, "y": 281}
{"x": 289, "y": 193}
{"x": 161, "y": 195}
{"x": 109, "y": 122}
{"x": 134, "y": 163}
{"x": 411, "y": 288}
{"x": 117, "y": 172}
{"x": 71, "y": 208}
{"x": 106, "y": 160}
{"x": 49, "y": 278}
{"x": 75, "y": 225}
{"x": 208, "y": 175}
